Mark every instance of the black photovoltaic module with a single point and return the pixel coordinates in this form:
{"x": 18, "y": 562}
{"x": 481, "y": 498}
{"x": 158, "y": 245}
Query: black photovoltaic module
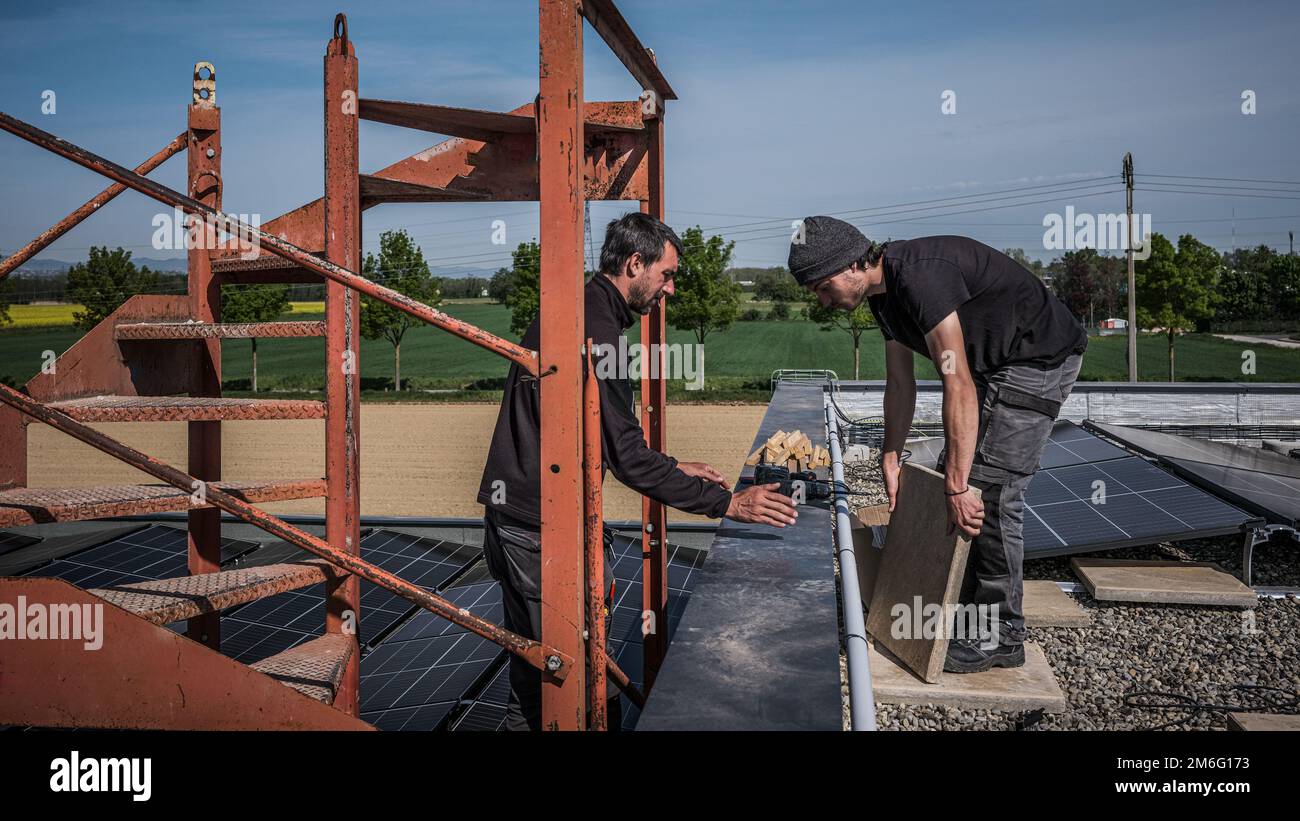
{"x": 151, "y": 553}
{"x": 1091, "y": 495}
{"x": 1264, "y": 483}
{"x": 487, "y": 710}
{"x": 268, "y": 626}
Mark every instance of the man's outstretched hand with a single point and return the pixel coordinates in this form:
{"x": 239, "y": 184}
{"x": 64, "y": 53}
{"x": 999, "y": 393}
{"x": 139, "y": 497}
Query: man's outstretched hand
{"x": 762, "y": 505}
{"x": 704, "y": 471}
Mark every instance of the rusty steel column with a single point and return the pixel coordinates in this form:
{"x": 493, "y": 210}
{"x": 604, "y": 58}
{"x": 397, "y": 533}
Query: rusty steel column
{"x": 654, "y": 399}
{"x": 597, "y": 715}
{"x": 13, "y": 449}
{"x": 560, "y": 157}
{"x": 342, "y": 327}
{"x": 204, "y": 175}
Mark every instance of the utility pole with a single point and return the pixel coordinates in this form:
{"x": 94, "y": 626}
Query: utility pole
{"x": 1291, "y": 236}
{"x": 1132, "y": 294}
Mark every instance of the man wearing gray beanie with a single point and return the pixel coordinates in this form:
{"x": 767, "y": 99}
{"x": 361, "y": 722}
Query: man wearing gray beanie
{"x": 1008, "y": 353}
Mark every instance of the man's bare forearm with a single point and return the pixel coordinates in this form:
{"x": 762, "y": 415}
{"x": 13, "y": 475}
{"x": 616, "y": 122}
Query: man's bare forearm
{"x": 961, "y": 418}
{"x": 900, "y": 404}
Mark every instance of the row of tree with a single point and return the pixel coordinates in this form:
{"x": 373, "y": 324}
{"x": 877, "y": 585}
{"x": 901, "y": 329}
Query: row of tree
{"x": 1180, "y": 288}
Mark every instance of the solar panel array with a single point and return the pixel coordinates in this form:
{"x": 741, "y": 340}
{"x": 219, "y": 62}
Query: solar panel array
{"x": 417, "y": 676}
{"x": 418, "y": 671}
{"x": 268, "y": 626}
{"x": 1164, "y": 445}
{"x": 1091, "y": 495}
{"x": 1263, "y": 482}
{"x": 486, "y": 710}
{"x": 1118, "y": 502}
{"x": 151, "y": 553}
{"x": 1276, "y": 498}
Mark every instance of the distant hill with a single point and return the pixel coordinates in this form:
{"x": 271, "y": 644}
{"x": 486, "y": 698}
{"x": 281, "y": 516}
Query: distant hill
{"x": 50, "y": 267}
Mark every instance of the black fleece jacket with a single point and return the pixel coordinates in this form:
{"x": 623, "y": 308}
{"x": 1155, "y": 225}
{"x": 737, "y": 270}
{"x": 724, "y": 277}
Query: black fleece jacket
{"x": 515, "y": 457}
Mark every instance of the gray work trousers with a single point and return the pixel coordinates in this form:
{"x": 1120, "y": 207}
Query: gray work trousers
{"x": 513, "y": 551}
{"x": 1018, "y": 406}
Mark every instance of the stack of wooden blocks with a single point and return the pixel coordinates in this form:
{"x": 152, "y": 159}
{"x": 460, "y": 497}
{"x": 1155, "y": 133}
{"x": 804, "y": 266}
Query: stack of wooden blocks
{"x": 792, "y": 449}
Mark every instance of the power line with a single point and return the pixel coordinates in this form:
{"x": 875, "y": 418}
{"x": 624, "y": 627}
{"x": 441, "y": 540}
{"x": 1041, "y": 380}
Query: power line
{"x": 1219, "y": 179}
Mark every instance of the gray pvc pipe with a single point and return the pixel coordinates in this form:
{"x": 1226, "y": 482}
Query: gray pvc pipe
{"x": 862, "y": 707}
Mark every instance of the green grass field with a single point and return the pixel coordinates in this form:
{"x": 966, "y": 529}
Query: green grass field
{"x": 738, "y": 362}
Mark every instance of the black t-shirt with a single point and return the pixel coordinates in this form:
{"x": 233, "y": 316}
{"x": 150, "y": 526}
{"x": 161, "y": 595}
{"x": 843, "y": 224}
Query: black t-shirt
{"x": 1008, "y": 317}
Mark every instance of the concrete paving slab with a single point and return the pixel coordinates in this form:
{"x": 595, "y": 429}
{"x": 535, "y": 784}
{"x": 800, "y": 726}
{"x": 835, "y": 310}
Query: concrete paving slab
{"x": 1019, "y": 689}
{"x": 1046, "y": 605}
{"x": 1163, "y": 582}
{"x": 1264, "y": 721}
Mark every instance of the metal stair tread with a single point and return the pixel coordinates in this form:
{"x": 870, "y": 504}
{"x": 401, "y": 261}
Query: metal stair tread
{"x": 111, "y": 408}
{"x": 27, "y": 505}
{"x": 168, "y": 600}
{"x": 314, "y": 668}
{"x": 141, "y": 331}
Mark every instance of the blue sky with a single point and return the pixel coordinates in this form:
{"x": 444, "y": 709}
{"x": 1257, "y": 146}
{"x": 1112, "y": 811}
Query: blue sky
{"x": 786, "y": 109}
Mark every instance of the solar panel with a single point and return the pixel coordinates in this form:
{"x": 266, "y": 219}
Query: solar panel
{"x": 1138, "y": 503}
{"x": 1068, "y": 445}
{"x": 1276, "y": 498}
{"x": 487, "y": 711}
{"x": 1164, "y": 445}
{"x": 430, "y": 662}
{"x": 284, "y": 619}
{"x": 481, "y": 717}
{"x": 151, "y": 553}
{"x": 1071, "y": 445}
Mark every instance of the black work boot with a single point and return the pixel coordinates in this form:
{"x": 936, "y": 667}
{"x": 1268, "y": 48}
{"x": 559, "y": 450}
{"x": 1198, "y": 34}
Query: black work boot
{"x": 967, "y": 656}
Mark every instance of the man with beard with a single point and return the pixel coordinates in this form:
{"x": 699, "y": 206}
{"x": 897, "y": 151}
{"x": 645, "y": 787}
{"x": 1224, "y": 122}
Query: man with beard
{"x": 637, "y": 264}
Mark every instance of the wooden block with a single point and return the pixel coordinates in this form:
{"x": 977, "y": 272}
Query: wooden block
{"x": 753, "y": 458}
{"x": 921, "y": 563}
{"x": 1264, "y": 721}
{"x": 1046, "y": 605}
{"x": 1008, "y": 689}
{"x": 1163, "y": 582}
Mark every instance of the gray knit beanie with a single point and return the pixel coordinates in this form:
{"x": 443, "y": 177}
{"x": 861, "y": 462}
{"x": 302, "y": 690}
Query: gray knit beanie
{"x": 829, "y": 246}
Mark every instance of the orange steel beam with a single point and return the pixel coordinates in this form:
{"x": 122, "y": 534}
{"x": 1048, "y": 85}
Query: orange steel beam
{"x": 654, "y": 400}
{"x": 204, "y": 462}
{"x": 609, "y": 23}
{"x": 143, "y": 677}
{"x": 597, "y": 711}
{"x": 231, "y": 225}
{"x": 560, "y": 153}
{"x": 342, "y": 228}
{"x": 556, "y": 662}
{"x": 63, "y": 226}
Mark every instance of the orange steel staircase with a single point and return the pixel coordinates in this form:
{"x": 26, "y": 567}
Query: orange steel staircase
{"x": 158, "y": 359}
